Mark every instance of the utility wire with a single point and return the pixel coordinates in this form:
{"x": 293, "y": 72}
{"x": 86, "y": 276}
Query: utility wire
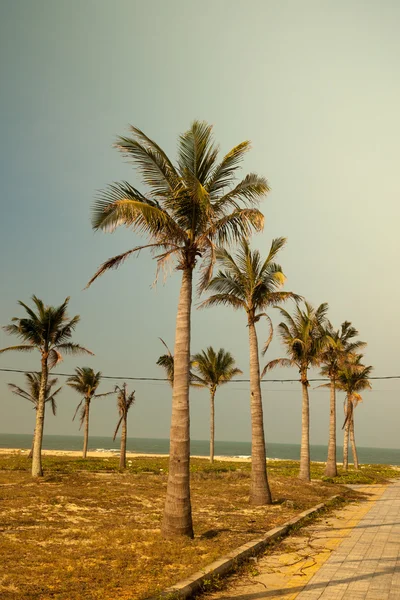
{"x": 165, "y": 379}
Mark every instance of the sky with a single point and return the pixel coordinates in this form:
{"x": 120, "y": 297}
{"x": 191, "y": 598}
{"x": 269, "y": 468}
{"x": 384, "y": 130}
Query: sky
{"x": 314, "y": 85}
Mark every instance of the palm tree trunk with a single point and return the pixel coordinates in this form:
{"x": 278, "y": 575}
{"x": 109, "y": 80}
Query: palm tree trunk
{"x": 353, "y": 443}
{"x": 260, "y": 492}
{"x": 86, "y": 432}
{"x": 304, "y": 474}
{"x": 33, "y": 443}
{"x": 37, "y": 470}
{"x": 177, "y": 519}
{"x": 122, "y": 456}
{"x": 212, "y": 424}
{"x": 346, "y": 437}
{"x": 331, "y": 466}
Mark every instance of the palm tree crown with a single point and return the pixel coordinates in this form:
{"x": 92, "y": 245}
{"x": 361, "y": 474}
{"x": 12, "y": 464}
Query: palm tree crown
{"x": 214, "y": 368}
{"x": 124, "y": 403}
{"x": 354, "y": 378}
{"x": 85, "y": 382}
{"x": 188, "y": 210}
{"x": 33, "y": 387}
{"x": 248, "y": 282}
{"x": 47, "y": 330}
{"x": 304, "y": 338}
{"x": 166, "y": 361}
{"x": 340, "y": 345}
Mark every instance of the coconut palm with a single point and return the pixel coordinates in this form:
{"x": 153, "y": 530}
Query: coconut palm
{"x": 304, "y": 338}
{"x": 124, "y": 402}
{"x": 352, "y": 379}
{"x": 339, "y": 349}
{"x": 85, "y": 382}
{"x": 49, "y": 331}
{"x": 191, "y": 207}
{"x": 32, "y": 394}
{"x": 212, "y": 369}
{"x": 251, "y": 284}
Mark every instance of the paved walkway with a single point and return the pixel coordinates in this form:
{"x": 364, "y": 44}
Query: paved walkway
{"x": 352, "y": 555}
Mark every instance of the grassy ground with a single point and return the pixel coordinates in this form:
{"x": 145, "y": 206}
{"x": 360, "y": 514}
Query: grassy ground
{"x": 89, "y": 531}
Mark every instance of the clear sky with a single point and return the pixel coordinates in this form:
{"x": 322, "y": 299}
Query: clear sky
{"x": 314, "y": 85}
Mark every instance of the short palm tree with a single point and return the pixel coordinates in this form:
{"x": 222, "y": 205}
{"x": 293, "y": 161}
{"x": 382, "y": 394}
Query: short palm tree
{"x": 304, "y": 338}
{"x": 85, "y": 382}
{"x": 191, "y": 207}
{"x": 352, "y": 379}
{"x": 31, "y": 393}
{"x": 212, "y": 369}
{"x": 339, "y": 349}
{"x": 49, "y": 331}
{"x": 124, "y": 402}
{"x": 251, "y": 284}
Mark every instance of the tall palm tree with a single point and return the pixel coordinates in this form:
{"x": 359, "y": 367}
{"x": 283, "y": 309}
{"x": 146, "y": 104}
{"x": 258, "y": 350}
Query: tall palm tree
{"x": 85, "y": 382}
{"x": 251, "y": 284}
{"x": 304, "y": 338}
{"x": 352, "y": 379}
{"x": 49, "y": 331}
{"x": 124, "y": 402}
{"x": 339, "y": 349}
{"x": 32, "y": 394}
{"x": 211, "y": 370}
{"x": 191, "y": 207}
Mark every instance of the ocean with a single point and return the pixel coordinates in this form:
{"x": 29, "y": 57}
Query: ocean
{"x": 389, "y": 456}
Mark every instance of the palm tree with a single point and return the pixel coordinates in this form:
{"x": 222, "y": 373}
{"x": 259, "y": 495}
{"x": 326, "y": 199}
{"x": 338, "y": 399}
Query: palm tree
{"x": 47, "y": 330}
{"x": 249, "y": 283}
{"x": 85, "y": 382}
{"x": 340, "y": 347}
{"x": 192, "y": 207}
{"x": 352, "y": 379}
{"x": 304, "y": 338}
{"x": 124, "y": 402}
{"x": 32, "y": 394}
{"x": 166, "y": 361}
{"x": 211, "y": 370}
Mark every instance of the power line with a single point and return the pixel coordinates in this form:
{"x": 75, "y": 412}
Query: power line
{"x": 166, "y": 380}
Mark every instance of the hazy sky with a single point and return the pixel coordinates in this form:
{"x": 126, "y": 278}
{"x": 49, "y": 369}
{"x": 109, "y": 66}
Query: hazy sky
{"x": 314, "y": 85}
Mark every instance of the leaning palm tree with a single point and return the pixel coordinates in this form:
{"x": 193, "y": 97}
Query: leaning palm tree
{"x": 339, "y": 349}
{"x": 251, "y": 284}
{"x": 191, "y": 207}
{"x": 212, "y": 369}
{"x": 304, "y": 338}
{"x": 85, "y": 382}
{"x": 124, "y": 402}
{"x": 49, "y": 331}
{"x": 32, "y": 394}
{"x": 352, "y": 379}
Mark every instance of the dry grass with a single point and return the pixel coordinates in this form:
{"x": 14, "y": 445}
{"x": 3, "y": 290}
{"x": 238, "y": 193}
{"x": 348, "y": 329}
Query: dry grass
{"x": 87, "y": 531}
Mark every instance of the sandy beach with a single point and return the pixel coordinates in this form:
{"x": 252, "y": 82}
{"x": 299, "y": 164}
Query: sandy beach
{"x": 108, "y": 454}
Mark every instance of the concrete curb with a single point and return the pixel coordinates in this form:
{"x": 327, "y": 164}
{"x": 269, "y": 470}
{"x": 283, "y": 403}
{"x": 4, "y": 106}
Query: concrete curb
{"x": 187, "y": 587}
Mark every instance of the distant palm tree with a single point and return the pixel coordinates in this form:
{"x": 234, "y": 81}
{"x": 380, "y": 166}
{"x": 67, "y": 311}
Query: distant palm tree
{"x": 212, "y": 369}
{"x": 192, "y": 207}
{"x": 124, "y": 402}
{"x": 166, "y": 361}
{"x": 48, "y": 330}
{"x": 304, "y": 338}
{"x": 85, "y": 382}
{"x": 352, "y": 379}
{"x": 251, "y": 284}
{"x": 339, "y": 349}
{"x": 32, "y": 394}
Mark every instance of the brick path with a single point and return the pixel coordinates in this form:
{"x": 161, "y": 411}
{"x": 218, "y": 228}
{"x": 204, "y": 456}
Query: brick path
{"x": 353, "y": 554}
{"x": 366, "y": 565}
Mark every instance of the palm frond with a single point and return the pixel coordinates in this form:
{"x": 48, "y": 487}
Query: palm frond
{"x": 277, "y": 362}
